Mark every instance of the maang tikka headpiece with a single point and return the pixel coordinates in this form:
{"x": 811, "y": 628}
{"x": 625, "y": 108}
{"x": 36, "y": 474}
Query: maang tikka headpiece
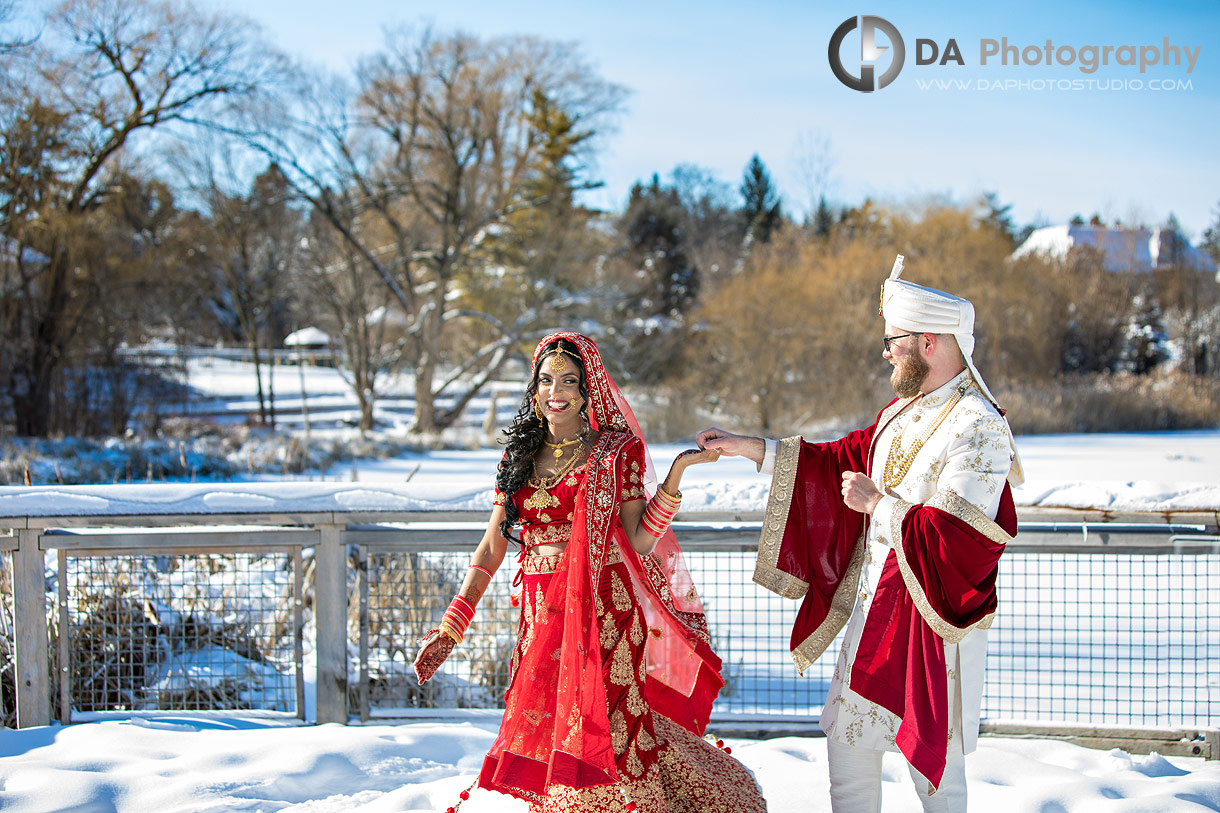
{"x": 560, "y": 363}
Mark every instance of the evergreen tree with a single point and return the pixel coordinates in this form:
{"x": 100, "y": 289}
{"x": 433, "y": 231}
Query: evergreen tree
{"x": 656, "y": 247}
{"x": 1211, "y": 239}
{"x": 998, "y": 217}
{"x": 1145, "y": 341}
{"x": 761, "y": 203}
{"x": 1173, "y": 244}
{"x": 823, "y": 219}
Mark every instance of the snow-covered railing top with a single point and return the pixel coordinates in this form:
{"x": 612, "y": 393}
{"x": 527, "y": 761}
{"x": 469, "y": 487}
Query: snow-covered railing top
{"x": 310, "y": 503}
{"x": 256, "y": 503}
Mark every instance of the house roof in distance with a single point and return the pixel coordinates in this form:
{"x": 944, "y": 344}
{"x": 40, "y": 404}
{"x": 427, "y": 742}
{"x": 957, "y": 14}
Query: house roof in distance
{"x": 1123, "y": 249}
{"x": 307, "y": 337}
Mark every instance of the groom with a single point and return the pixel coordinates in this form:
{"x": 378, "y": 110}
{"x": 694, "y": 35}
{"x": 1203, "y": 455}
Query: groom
{"x": 896, "y": 531}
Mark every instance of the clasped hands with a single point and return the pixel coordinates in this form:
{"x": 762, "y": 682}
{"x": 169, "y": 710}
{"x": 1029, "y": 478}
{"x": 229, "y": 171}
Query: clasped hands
{"x": 860, "y": 493}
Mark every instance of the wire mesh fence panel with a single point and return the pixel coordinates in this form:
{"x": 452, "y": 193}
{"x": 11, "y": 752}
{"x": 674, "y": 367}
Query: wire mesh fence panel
{"x": 183, "y": 631}
{"x": 751, "y": 628}
{"x": 1110, "y": 639}
{"x": 403, "y": 595}
{"x": 1113, "y": 639}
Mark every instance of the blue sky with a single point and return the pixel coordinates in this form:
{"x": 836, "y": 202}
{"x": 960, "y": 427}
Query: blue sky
{"x": 714, "y": 82}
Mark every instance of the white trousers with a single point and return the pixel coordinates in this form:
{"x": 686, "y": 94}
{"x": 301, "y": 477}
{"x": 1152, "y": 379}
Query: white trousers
{"x": 855, "y": 781}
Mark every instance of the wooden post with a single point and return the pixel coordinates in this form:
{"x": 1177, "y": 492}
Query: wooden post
{"x": 30, "y": 618}
{"x": 330, "y": 619}
{"x": 65, "y": 643}
{"x": 298, "y": 630}
{"x": 362, "y": 583}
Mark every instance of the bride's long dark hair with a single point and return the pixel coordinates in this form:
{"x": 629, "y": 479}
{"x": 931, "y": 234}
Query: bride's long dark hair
{"x": 525, "y": 436}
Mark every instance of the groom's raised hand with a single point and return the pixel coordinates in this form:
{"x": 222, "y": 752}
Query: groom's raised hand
{"x": 745, "y": 446}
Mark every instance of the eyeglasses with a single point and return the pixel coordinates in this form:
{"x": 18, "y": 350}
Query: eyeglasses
{"x": 887, "y": 339}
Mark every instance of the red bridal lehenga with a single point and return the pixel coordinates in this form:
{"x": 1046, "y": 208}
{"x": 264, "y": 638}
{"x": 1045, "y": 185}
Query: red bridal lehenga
{"x": 613, "y": 677}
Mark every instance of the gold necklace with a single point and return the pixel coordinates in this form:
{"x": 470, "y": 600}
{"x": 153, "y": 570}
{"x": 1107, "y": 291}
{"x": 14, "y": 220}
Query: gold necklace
{"x": 897, "y": 464}
{"x": 559, "y": 447}
{"x": 542, "y": 498}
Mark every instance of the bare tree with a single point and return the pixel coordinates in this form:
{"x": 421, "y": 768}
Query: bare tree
{"x": 353, "y": 305}
{"x": 254, "y": 234}
{"x": 814, "y": 159}
{"x": 105, "y": 73}
{"x": 421, "y": 168}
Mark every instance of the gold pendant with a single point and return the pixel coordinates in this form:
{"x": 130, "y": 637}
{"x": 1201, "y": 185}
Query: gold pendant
{"x": 541, "y": 499}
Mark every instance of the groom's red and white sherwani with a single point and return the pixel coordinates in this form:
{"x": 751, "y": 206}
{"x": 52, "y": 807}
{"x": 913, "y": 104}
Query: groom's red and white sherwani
{"x": 915, "y": 583}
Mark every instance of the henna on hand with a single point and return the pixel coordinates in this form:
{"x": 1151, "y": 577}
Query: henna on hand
{"x": 435, "y": 649}
{"x": 708, "y": 455}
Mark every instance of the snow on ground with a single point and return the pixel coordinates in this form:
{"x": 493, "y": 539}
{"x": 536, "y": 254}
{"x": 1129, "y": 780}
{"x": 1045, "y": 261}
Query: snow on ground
{"x": 181, "y": 763}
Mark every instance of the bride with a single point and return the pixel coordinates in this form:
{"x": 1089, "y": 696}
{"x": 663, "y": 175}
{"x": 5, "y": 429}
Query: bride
{"x": 613, "y": 676}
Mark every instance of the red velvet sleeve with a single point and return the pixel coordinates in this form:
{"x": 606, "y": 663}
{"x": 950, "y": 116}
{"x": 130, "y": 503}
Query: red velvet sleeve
{"x": 821, "y": 532}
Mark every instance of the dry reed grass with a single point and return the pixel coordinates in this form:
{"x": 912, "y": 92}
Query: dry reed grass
{"x": 132, "y": 628}
{"x": 8, "y": 639}
{"x": 408, "y": 592}
{"x": 1119, "y": 402}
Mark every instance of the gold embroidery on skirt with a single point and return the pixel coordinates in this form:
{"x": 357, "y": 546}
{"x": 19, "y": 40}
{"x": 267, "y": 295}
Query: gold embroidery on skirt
{"x": 609, "y": 634}
{"x": 634, "y": 767}
{"x": 540, "y": 607}
{"x": 645, "y": 741}
{"x": 618, "y": 732}
{"x": 635, "y": 701}
{"x": 637, "y": 630}
{"x": 621, "y": 667}
{"x": 699, "y": 778}
{"x": 689, "y": 776}
{"x": 622, "y": 599}
{"x": 647, "y": 793}
{"x": 530, "y": 609}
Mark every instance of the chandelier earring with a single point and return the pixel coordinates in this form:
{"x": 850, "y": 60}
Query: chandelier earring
{"x": 538, "y": 411}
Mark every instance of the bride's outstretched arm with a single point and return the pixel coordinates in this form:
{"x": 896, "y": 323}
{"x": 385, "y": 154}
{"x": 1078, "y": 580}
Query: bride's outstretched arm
{"x": 643, "y": 522}
{"x": 488, "y": 556}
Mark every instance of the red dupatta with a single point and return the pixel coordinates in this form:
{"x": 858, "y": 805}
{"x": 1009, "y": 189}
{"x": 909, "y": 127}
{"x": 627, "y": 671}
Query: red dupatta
{"x": 555, "y": 728}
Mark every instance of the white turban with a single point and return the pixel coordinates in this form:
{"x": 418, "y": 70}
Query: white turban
{"x": 919, "y": 309}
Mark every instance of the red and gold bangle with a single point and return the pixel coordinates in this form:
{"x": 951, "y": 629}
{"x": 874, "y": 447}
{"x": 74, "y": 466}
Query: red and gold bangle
{"x": 457, "y": 618}
{"x": 659, "y": 513}
{"x": 673, "y": 499}
{"x": 481, "y": 569}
